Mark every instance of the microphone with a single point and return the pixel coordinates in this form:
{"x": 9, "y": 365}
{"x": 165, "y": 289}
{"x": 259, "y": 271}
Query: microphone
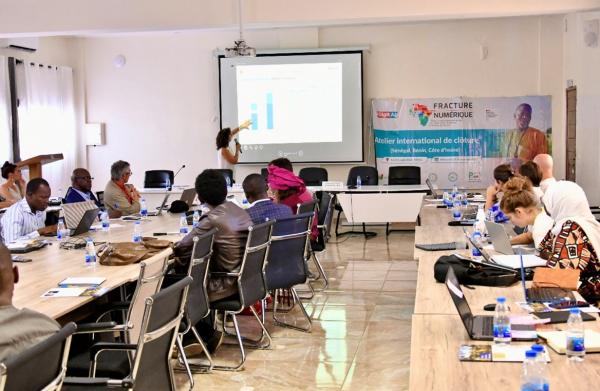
{"x": 238, "y": 143}
{"x": 178, "y": 171}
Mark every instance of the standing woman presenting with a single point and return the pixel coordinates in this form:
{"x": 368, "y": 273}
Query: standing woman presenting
{"x": 226, "y": 159}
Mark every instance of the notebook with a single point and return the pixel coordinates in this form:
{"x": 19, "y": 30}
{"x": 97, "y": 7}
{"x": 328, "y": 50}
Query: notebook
{"x": 557, "y": 340}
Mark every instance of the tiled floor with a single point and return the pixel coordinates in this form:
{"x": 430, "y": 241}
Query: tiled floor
{"x": 360, "y": 338}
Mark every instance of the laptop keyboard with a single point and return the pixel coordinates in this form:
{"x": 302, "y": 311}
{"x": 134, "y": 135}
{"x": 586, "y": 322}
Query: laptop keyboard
{"x": 545, "y": 295}
{"x": 437, "y": 246}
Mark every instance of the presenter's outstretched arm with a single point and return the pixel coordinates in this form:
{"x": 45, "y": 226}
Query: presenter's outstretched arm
{"x": 231, "y": 158}
{"x": 244, "y": 125}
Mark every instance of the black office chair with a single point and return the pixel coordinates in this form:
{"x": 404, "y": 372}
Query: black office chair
{"x": 197, "y": 304}
{"x": 313, "y": 176}
{"x": 368, "y": 177}
{"x": 287, "y": 266}
{"x": 227, "y": 173}
{"x": 100, "y": 197}
{"x": 404, "y": 175}
{"x": 150, "y": 355}
{"x": 264, "y": 172}
{"x": 41, "y": 367}
{"x": 251, "y": 286}
{"x": 158, "y": 179}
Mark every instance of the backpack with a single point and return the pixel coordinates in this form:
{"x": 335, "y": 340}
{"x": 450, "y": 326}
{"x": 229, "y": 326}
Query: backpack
{"x": 471, "y": 273}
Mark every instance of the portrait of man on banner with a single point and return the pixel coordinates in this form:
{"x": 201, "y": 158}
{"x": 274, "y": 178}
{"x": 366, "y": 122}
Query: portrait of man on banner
{"x": 524, "y": 142}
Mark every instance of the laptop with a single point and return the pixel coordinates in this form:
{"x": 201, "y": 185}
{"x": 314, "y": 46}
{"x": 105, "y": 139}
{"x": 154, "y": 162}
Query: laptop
{"x": 501, "y": 241}
{"x": 486, "y": 257}
{"x": 86, "y": 222}
{"x": 188, "y": 196}
{"x": 160, "y": 209}
{"x": 543, "y": 295}
{"x": 479, "y": 327}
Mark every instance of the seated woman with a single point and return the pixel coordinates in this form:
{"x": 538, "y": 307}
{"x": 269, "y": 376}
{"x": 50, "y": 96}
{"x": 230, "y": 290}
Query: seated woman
{"x": 288, "y": 189}
{"x": 574, "y": 241}
{"x": 523, "y": 209}
{"x": 502, "y": 174}
{"x": 13, "y": 190}
{"x": 530, "y": 172}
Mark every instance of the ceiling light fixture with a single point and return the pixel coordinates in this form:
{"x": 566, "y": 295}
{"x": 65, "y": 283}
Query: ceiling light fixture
{"x": 241, "y": 48}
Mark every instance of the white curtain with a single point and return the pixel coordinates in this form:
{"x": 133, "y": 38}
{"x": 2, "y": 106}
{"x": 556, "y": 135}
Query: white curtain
{"x": 47, "y": 119}
{"x": 5, "y": 117}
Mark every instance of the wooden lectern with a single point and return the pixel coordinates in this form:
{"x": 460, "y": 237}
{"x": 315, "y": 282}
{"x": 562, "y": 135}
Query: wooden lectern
{"x": 34, "y": 164}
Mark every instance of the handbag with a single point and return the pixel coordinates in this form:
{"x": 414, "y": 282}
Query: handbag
{"x": 127, "y": 253}
{"x": 545, "y": 277}
{"x": 471, "y": 273}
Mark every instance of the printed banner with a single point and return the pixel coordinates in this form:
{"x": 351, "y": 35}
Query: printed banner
{"x": 459, "y": 141}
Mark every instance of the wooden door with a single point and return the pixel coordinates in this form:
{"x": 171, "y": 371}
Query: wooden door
{"x": 571, "y": 132}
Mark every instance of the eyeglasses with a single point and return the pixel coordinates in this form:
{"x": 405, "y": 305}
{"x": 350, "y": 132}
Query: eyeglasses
{"x": 87, "y": 178}
{"x": 128, "y": 173}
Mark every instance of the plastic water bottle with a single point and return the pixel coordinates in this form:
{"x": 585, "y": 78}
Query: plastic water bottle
{"x": 196, "y": 218}
{"x": 90, "y": 252}
{"x": 183, "y": 225}
{"x": 143, "y": 208}
{"x": 575, "y": 336}
{"x": 541, "y": 359}
{"x": 228, "y": 180}
{"x": 60, "y": 229}
{"x": 456, "y": 210}
{"x": 358, "y": 182}
{"x": 465, "y": 200}
{"x": 477, "y": 239}
{"x": 105, "y": 221}
{"x": 454, "y": 191}
{"x": 480, "y": 221}
{"x": 245, "y": 204}
{"x": 532, "y": 378}
{"x": 137, "y": 232}
{"x": 502, "y": 331}
{"x": 494, "y": 212}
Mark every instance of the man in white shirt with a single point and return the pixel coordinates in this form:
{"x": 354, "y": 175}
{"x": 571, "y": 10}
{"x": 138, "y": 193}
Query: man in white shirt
{"x": 546, "y": 166}
{"x": 26, "y": 219}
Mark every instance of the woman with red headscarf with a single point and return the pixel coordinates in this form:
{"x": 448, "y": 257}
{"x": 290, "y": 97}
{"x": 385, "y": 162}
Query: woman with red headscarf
{"x": 288, "y": 189}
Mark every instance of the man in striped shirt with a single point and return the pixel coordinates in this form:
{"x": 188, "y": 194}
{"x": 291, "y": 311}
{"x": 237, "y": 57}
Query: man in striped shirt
{"x": 26, "y": 218}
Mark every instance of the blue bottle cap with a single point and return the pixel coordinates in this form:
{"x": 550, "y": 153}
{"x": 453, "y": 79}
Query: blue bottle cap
{"x": 530, "y": 354}
{"x": 574, "y": 310}
{"x": 537, "y": 348}
{"x": 501, "y": 299}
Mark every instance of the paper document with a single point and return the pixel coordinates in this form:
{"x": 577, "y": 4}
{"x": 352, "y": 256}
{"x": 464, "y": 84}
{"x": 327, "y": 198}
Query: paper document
{"x": 64, "y": 292}
{"x": 514, "y": 262}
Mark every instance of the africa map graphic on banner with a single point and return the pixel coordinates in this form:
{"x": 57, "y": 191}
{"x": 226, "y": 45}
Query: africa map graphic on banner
{"x": 459, "y": 141}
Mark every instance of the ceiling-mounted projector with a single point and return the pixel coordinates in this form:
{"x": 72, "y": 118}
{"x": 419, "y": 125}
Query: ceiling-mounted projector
{"x": 241, "y": 48}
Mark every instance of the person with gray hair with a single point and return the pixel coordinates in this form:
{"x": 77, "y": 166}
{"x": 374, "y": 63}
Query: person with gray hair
{"x": 19, "y": 328}
{"x": 121, "y": 198}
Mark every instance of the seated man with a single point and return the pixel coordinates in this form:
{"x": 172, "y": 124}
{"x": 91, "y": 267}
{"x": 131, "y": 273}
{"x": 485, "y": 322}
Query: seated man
{"x": 121, "y": 198}
{"x": 81, "y": 188}
{"x": 232, "y": 224}
{"x": 19, "y": 329}
{"x": 26, "y": 218}
{"x": 262, "y": 208}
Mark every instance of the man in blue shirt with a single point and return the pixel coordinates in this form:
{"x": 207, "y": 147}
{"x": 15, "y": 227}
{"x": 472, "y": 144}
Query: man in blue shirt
{"x": 81, "y": 188}
{"x": 261, "y": 206}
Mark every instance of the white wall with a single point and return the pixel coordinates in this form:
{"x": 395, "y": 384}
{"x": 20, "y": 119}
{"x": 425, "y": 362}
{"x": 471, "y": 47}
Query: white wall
{"x": 160, "y": 108}
{"x": 582, "y": 65}
{"x": 55, "y": 17}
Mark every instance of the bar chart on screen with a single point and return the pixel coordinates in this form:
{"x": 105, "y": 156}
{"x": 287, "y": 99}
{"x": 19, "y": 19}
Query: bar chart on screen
{"x": 290, "y": 103}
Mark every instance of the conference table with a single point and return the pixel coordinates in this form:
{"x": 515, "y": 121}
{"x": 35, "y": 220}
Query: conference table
{"x": 437, "y": 331}
{"x": 50, "y": 265}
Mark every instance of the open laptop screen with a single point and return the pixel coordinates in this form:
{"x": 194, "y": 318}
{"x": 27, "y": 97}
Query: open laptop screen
{"x": 459, "y": 299}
